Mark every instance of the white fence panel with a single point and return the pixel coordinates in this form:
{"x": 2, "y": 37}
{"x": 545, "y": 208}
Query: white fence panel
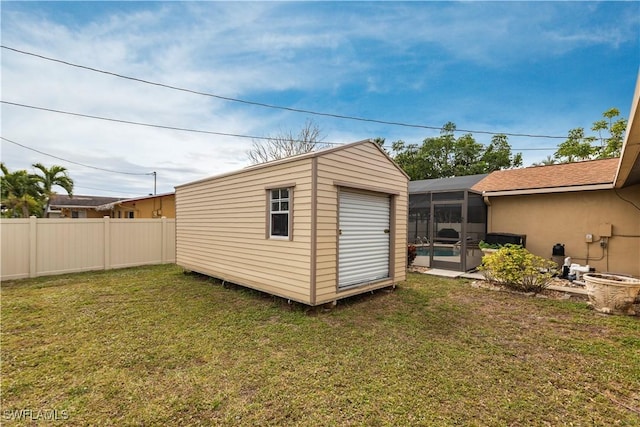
{"x": 14, "y": 248}
{"x": 39, "y": 247}
{"x": 145, "y": 242}
{"x": 68, "y": 246}
{"x": 169, "y": 242}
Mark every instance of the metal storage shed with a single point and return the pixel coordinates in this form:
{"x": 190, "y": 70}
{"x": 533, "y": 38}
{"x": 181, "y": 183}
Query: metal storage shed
{"x": 312, "y": 228}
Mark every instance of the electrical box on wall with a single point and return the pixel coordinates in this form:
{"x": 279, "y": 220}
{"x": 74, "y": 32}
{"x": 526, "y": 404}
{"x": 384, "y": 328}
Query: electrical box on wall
{"x": 588, "y": 238}
{"x": 606, "y": 229}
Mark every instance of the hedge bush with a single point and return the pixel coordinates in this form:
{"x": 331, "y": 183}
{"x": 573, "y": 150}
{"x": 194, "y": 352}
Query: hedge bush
{"x": 516, "y": 268}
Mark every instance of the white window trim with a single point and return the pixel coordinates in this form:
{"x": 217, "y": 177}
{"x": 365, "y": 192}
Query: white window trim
{"x": 289, "y": 212}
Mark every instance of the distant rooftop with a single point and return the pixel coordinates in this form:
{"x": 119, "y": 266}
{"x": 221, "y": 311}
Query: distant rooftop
{"x": 110, "y": 205}
{"x": 62, "y": 200}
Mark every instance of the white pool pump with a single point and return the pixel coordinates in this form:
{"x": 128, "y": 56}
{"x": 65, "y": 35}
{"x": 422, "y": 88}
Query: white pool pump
{"x": 577, "y": 269}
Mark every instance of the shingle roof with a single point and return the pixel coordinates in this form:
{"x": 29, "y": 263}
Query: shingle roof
{"x": 111, "y": 205}
{"x": 554, "y": 176}
{"x": 445, "y": 184}
{"x": 62, "y": 200}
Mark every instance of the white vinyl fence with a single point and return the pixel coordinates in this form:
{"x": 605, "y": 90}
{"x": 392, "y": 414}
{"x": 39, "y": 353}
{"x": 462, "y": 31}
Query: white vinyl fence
{"x": 38, "y": 247}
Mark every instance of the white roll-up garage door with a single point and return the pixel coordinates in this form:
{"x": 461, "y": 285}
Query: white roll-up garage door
{"x": 363, "y": 249}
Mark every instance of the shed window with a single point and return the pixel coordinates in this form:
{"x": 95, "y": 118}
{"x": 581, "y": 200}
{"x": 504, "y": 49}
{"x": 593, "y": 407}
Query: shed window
{"x": 279, "y": 215}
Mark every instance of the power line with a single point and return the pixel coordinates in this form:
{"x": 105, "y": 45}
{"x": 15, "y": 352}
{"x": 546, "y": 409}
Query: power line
{"x": 235, "y": 135}
{"x": 534, "y": 149}
{"x": 71, "y": 161}
{"x": 129, "y": 122}
{"x": 271, "y": 106}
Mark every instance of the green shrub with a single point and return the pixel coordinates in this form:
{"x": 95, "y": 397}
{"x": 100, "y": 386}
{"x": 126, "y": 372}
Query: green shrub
{"x": 516, "y": 268}
{"x": 484, "y": 245}
{"x": 411, "y": 254}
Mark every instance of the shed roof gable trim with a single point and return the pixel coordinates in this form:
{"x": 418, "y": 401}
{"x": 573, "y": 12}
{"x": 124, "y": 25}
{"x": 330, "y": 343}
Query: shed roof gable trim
{"x": 310, "y": 155}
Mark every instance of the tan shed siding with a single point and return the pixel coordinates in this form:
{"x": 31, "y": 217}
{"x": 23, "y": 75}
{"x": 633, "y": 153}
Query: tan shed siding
{"x": 361, "y": 165}
{"x": 221, "y": 229}
{"x": 568, "y": 217}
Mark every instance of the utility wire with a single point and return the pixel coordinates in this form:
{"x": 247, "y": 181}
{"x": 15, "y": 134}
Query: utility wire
{"x": 71, "y": 161}
{"x": 129, "y": 122}
{"x": 272, "y": 106}
{"x": 235, "y": 135}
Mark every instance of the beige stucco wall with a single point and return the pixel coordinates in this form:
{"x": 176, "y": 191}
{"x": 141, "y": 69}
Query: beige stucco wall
{"x": 83, "y": 212}
{"x": 567, "y": 218}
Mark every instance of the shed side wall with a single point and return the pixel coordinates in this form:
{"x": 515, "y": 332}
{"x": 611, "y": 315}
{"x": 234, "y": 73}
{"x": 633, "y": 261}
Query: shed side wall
{"x": 361, "y": 166}
{"x": 221, "y": 230}
{"x": 567, "y": 218}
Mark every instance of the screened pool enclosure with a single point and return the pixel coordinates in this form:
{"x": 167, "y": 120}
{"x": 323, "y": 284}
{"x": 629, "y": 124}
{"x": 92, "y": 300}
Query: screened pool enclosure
{"x": 447, "y": 220}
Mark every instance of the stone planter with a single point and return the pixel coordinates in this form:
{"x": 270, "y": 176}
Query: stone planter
{"x": 610, "y": 293}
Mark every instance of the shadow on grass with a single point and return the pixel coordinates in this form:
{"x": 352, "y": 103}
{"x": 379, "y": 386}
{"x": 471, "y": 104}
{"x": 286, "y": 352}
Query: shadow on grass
{"x": 285, "y": 303}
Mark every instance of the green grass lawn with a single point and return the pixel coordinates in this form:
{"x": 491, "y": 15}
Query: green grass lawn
{"x": 154, "y": 346}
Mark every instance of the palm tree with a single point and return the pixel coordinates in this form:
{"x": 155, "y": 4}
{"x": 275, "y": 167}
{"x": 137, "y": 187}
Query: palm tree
{"x": 50, "y": 177}
{"x": 19, "y": 192}
{"x": 550, "y": 160}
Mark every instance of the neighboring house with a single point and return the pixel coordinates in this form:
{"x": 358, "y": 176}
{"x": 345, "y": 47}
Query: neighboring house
{"x": 78, "y": 206}
{"x": 152, "y": 206}
{"x": 313, "y": 228}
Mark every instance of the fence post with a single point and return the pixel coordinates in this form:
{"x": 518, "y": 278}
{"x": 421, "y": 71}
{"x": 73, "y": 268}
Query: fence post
{"x": 163, "y": 234}
{"x": 107, "y": 242}
{"x": 33, "y": 248}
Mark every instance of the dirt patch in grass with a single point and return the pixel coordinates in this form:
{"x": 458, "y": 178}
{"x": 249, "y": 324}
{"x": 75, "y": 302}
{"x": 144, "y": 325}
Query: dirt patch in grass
{"x": 153, "y": 346}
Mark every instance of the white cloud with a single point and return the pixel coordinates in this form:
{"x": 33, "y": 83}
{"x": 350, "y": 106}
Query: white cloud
{"x": 329, "y": 57}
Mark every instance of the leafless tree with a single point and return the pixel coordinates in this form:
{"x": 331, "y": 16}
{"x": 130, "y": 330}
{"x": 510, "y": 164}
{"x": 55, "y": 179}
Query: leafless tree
{"x": 286, "y": 144}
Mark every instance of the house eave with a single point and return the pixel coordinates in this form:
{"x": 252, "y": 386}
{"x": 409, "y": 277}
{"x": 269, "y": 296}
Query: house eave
{"x": 72, "y": 207}
{"x": 107, "y": 207}
{"x": 565, "y": 189}
{"x": 628, "y": 172}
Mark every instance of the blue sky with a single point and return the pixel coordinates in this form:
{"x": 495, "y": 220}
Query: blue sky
{"x": 519, "y": 67}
